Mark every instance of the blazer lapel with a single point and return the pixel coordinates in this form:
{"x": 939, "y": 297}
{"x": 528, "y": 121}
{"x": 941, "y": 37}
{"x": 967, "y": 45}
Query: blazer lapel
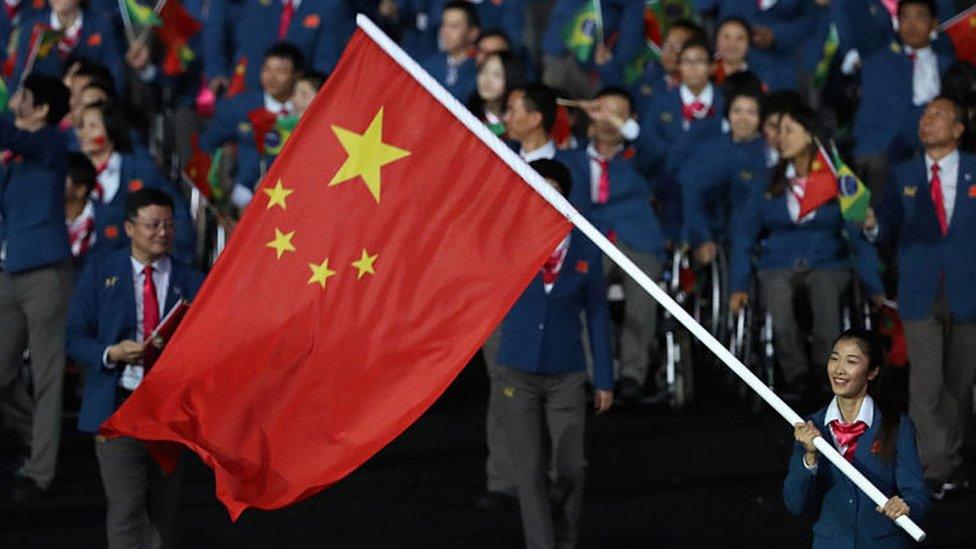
{"x": 127, "y": 291}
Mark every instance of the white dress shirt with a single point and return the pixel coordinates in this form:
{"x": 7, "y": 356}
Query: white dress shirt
{"x": 110, "y": 178}
{"x": 925, "y": 75}
{"x": 706, "y": 97}
{"x": 133, "y": 373}
{"x": 276, "y": 107}
{"x": 547, "y": 152}
{"x": 865, "y": 414}
{"x": 949, "y": 177}
{"x": 595, "y": 169}
{"x": 73, "y": 30}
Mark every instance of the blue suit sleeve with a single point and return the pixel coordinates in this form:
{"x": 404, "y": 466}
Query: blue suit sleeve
{"x": 82, "y": 323}
{"x": 866, "y": 260}
{"x": 801, "y": 493}
{"x": 628, "y": 44}
{"x": 889, "y": 213}
{"x": 868, "y": 25}
{"x": 697, "y": 179}
{"x": 790, "y": 32}
{"x": 908, "y": 472}
{"x": 598, "y": 323}
{"x": 338, "y": 26}
{"x": 34, "y": 146}
{"x": 745, "y": 232}
{"x": 216, "y": 61}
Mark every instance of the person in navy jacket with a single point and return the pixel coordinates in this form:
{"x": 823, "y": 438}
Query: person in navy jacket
{"x": 35, "y": 266}
{"x": 663, "y": 75}
{"x": 421, "y": 20}
{"x": 719, "y": 176}
{"x": 86, "y": 35}
{"x": 104, "y": 138}
{"x": 811, "y": 252}
{"x": 620, "y": 206}
{"x": 897, "y": 80}
{"x": 864, "y": 424}
{"x": 673, "y": 124}
{"x": 119, "y": 300}
{"x": 454, "y": 66}
{"x": 318, "y": 28}
{"x": 541, "y": 383}
{"x": 623, "y": 39}
{"x": 232, "y": 123}
{"x": 929, "y": 212}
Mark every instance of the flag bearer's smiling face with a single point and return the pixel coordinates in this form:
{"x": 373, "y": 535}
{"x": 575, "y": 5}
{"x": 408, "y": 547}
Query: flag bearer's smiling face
{"x": 849, "y": 369}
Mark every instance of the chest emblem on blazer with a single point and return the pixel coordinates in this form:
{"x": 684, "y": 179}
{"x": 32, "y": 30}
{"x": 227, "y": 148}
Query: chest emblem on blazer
{"x": 667, "y": 117}
{"x": 311, "y": 21}
{"x": 135, "y": 185}
{"x": 244, "y": 127}
{"x": 646, "y": 90}
{"x": 38, "y": 4}
{"x": 876, "y": 447}
{"x": 265, "y": 3}
{"x": 509, "y": 391}
{"x": 972, "y": 191}
{"x": 582, "y": 266}
{"x": 910, "y": 190}
{"x": 745, "y": 175}
{"x": 895, "y": 46}
{"x": 111, "y": 281}
{"x": 111, "y": 231}
{"x": 94, "y": 39}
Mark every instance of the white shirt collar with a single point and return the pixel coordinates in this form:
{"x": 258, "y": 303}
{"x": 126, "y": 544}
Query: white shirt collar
{"x": 706, "y": 96}
{"x": 160, "y": 266}
{"x": 595, "y": 155}
{"x": 75, "y": 27}
{"x": 12, "y": 3}
{"x": 274, "y": 106}
{"x": 547, "y": 151}
{"x": 295, "y": 3}
{"x": 865, "y": 414}
{"x": 948, "y": 163}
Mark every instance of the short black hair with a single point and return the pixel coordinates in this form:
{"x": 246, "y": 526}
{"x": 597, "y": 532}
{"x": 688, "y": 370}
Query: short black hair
{"x": 289, "y": 51}
{"x": 495, "y": 33}
{"x": 116, "y": 124}
{"x": 50, "y": 91}
{"x": 696, "y": 30}
{"x": 734, "y": 20}
{"x": 616, "y": 91}
{"x": 777, "y": 103}
{"x": 930, "y": 4}
{"x": 696, "y": 43}
{"x": 555, "y": 170}
{"x": 81, "y": 171}
{"x": 96, "y": 72}
{"x": 315, "y": 78}
{"x": 108, "y": 91}
{"x": 741, "y": 84}
{"x": 146, "y": 196}
{"x": 470, "y": 13}
{"x": 539, "y": 98}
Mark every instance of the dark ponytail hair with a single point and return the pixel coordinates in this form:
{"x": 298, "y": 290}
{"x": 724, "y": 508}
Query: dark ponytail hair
{"x": 880, "y": 388}
{"x": 807, "y": 118}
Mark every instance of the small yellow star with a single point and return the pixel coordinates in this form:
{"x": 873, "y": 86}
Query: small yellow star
{"x": 365, "y": 264}
{"x": 320, "y": 273}
{"x": 277, "y": 195}
{"x": 282, "y": 242}
{"x": 367, "y": 153}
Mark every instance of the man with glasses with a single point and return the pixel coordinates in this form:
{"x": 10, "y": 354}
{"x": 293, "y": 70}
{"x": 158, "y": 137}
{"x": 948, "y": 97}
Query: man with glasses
{"x": 118, "y": 304}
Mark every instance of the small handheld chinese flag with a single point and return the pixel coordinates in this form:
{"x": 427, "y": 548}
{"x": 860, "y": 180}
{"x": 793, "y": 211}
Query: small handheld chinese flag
{"x": 962, "y": 31}
{"x": 380, "y": 251}
{"x": 821, "y": 183}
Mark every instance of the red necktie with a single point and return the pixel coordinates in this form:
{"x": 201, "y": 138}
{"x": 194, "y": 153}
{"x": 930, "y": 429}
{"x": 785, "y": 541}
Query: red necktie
{"x": 935, "y": 189}
{"x": 98, "y": 192}
{"x": 551, "y": 267}
{"x": 150, "y": 313}
{"x": 603, "y": 186}
{"x": 847, "y": 435}
{"x": 286, "y": 14}
{"x": 912, "y": 56}
{"x": 693, "y": 110}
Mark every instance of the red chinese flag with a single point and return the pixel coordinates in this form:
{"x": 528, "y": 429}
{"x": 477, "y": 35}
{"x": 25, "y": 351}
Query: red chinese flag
{"x": 962, "y": 31}
{"x": 381, "y": 249}
{"x": 198, "y": 167}
{"x": 821, "y": 183}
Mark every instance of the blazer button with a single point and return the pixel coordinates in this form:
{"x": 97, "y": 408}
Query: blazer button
{"x": 541, "y": 326}
{"x": 850, "y": 501}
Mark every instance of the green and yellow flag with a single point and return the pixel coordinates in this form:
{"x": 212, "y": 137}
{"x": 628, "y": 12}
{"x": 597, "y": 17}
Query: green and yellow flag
{"x": 852, "y": 193}
{"x": 822, "y": 70}
{"x": 144, "y": 16}
{"x": 580, "y": 35}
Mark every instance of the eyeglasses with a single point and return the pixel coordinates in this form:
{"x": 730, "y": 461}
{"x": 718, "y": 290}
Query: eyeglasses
{"x": 154, "y": 226}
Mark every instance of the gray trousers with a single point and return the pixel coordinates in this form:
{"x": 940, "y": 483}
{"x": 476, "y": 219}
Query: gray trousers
{"x": 824, "y": 287}
{"x": 543, "y": 419}
{"x": 940, "y": 384}
{"x": 33, "y": 307}
{"x": 638, "y": 337}
{"x": 142, "y": 499}
{"x": 498, "y": 469}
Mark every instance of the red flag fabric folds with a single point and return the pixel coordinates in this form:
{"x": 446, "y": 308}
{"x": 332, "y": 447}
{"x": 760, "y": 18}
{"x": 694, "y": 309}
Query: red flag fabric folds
{"x": 821, "y": 183}
{"x": 381, "y": 249}
{"x": 962, "y": 31}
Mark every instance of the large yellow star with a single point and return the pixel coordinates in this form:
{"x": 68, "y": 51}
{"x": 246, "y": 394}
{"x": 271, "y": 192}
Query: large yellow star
{"x": 365, "y": 264}
{"x": 367, "y": 153}
{"x": 320, "y": 273}
{"x": 277, "y": 195}
{"x": 282, "y": 242}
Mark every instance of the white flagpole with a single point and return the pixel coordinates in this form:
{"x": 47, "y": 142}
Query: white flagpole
{"x": 563, "y": 206}
{"x": 126, "y": 22}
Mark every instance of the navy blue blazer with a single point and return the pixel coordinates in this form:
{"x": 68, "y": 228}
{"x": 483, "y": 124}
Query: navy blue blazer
{"x": 907, "y": 217}
{"x": 137, "y": 171}
{"x": 32, "y": 198}
{"x": 102, "y": 313}
{"x": 715, "y": 183}
{"x": 542, "y": 333}
{"x": 826, "y": 242}
{"x": 421, "y": 21}
{"x": 845, "y": 516}
{"x": 665, "y": 145}
{"x": 628, "y": 212}
{"x": 232, "y": 125}
{"x": 319, "y": 28}
{"x": 97, "y": 42}
{"x": 887, "y": 120}
{"x": 467, "y": 73}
